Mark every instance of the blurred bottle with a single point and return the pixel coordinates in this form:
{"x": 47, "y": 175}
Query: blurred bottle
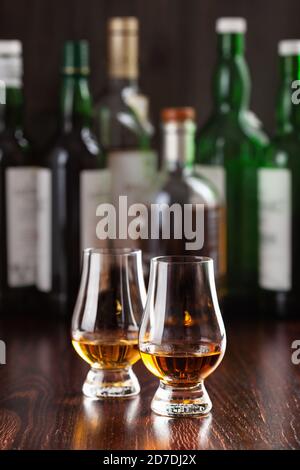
{"x": 17, "y": 186}
{"x": 121, "y": 116}
{"x": 71, "y": 182}
{"x": 182, "y": 187}
{"x": 279, "y": 201}
{"x": 228, "y": 151}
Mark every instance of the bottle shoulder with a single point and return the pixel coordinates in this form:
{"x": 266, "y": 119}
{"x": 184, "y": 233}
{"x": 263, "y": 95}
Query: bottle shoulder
{"x": 282, "y": 152}
{"x": 228, "y": 137}
{"x": 121, "y": 119}
{"x": 187, "y": 188}
{"x": 12, "y": 150}
{"x": 203, "y": 187}
{"x": 253, "y": 128}
{"x": 75, "y": 149}
{"x": 233, "y": 127}
{"x": 113, "y": 99}
{"x": 109, "y": 101}
{"x": 115, "y": 88}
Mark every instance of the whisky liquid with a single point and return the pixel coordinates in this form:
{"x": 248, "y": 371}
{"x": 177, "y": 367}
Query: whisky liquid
{"x": 107, "y": 355}
{"x": 182, "y": 368}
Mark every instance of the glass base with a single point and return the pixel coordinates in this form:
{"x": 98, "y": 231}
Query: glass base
{"x": 104, "y": 383}
{"x": 188, "y": 401}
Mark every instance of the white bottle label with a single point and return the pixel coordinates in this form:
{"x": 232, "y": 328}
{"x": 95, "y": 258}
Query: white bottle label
{"x": 275, "y": 220}
{"x": 21, "y": 226}
{"x": 215, "y": 174}
{"x": 95, "y": 188}
{"x": 44, "y": 230}
{"x": 132, "y": 171}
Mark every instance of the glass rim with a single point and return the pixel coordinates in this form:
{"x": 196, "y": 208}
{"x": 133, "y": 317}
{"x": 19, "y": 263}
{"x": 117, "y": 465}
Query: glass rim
{"x": 182, "y": 259}
{"x": 112, "y": 251}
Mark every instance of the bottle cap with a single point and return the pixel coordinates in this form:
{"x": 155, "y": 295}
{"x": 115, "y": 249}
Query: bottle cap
{"x": 123, "y": 47}
{"x": 10, "y": 48}
{"x": 179, "y": 127}
{"x": 231, "y": 25}
{"x": 289, "y": 47}
{"x": 122, "y": 25}
{"x": 178, "y": 114}
{"x": 11, "y": 64}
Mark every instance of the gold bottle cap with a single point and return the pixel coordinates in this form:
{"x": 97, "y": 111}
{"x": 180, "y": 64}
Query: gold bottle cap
{"x": 124, "y": 24}
{"x": 123, "y": 47}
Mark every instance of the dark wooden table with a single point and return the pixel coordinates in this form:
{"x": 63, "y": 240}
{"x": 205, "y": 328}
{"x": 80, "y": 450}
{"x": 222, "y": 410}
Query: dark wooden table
{"x": 255, "y": 394}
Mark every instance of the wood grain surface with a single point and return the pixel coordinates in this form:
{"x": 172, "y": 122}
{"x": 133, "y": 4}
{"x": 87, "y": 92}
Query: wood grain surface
{"x": 255, "y": 394}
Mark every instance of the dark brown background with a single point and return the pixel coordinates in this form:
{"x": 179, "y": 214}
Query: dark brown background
{"x": 177, "y": 49}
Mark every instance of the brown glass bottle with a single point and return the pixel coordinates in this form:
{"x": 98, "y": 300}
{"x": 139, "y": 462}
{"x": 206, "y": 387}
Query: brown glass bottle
{"x": 182, "y": 187}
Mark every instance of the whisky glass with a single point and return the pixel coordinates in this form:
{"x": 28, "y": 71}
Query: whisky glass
{"x": 106, "y": 320}
{"x": 182, "y": 336}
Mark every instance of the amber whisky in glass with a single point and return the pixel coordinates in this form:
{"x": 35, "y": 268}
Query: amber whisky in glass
{"x": 182, "y": 337}
{"x": 107, "y": 355}
{"x": 106, "y": 320}
{"x": 180, "y": 367}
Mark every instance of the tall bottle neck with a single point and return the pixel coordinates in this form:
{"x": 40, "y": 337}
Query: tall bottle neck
{"x": 293, "y": 107}
{"x": 123, "y": 53}
{"x": 116, "y": 85}
{"x": 76, "y": 103}
{"x": 231, "y": 79}
{"x": 11, "y": 117}
{"x": 284, "y": 102}
{"x": 178, "y": 145}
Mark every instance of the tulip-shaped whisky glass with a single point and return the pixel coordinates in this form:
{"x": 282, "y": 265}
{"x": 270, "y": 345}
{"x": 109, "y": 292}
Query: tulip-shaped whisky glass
{"x": 106, "y": 320}
{"x": 182, "y": 337}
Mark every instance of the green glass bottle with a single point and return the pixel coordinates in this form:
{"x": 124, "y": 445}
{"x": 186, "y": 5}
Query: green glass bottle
{"x": 71, "y": 182}
{"x": 17, "y": 187}
{"x": 228, "y": 151}
{"x": 279, "y": 202}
